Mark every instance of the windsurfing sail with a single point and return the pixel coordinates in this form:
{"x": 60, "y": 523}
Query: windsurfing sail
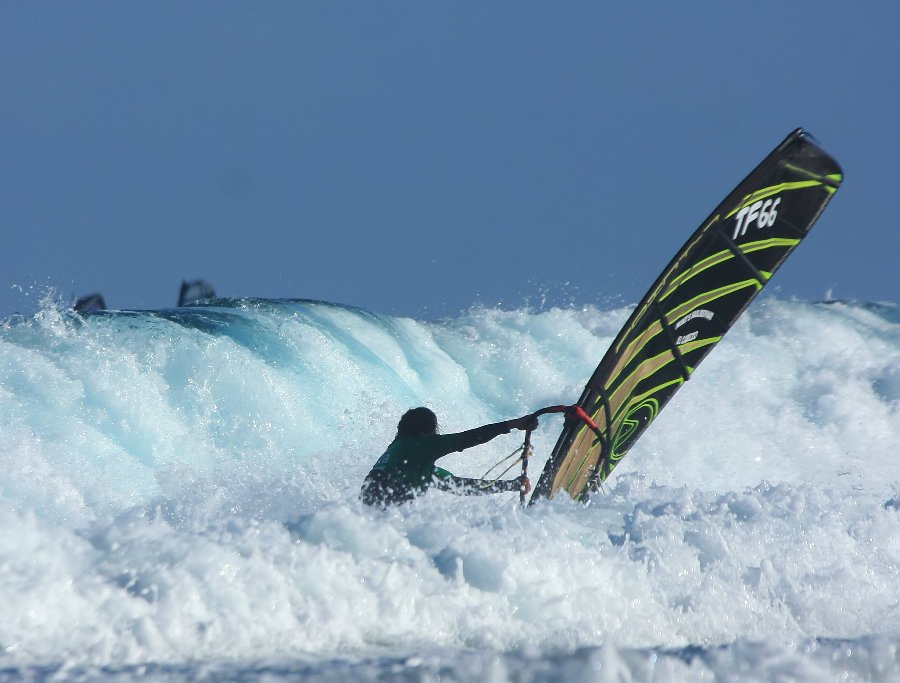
{"x": 693, "y": 303}
{"x": 89, "y": 303}
{"x": 194, "y": 292}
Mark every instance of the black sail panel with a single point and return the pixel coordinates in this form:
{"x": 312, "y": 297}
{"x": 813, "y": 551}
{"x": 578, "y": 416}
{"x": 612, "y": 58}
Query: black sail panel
{"x": 693, "y": 303}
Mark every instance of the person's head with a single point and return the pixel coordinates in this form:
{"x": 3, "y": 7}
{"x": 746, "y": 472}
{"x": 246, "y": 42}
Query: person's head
{"x": 417, "y": 422}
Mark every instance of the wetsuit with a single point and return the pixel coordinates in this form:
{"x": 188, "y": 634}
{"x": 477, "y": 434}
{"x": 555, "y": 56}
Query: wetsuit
{"x": 406, "y": 469}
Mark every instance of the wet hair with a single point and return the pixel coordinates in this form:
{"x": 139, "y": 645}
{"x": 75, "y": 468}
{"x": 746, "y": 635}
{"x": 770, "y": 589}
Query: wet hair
{"x": 417, "y": 422}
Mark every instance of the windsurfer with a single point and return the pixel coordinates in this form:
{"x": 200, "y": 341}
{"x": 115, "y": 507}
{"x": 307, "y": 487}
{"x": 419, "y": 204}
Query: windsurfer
{"x": 407, "y": 468}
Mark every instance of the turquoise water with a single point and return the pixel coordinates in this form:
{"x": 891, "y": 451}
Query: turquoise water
{"x": 178, "y": 501}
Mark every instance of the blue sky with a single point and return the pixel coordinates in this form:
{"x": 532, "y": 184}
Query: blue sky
{"x": 416, "y": 158}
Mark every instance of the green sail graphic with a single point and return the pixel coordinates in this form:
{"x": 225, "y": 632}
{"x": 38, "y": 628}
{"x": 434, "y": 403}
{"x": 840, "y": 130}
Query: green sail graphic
{"x": 693, "y": 303}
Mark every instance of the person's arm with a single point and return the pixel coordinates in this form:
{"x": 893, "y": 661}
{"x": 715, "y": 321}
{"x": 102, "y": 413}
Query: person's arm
{"x": 480, "y": 435}
{"x": 464, "y": 486}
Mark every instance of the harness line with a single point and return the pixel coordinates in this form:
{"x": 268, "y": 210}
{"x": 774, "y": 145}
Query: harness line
{"x": 573, "y": 412}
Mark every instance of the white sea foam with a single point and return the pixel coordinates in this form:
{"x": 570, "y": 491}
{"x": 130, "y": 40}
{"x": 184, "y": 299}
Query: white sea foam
{"x": 178, "y": 500}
